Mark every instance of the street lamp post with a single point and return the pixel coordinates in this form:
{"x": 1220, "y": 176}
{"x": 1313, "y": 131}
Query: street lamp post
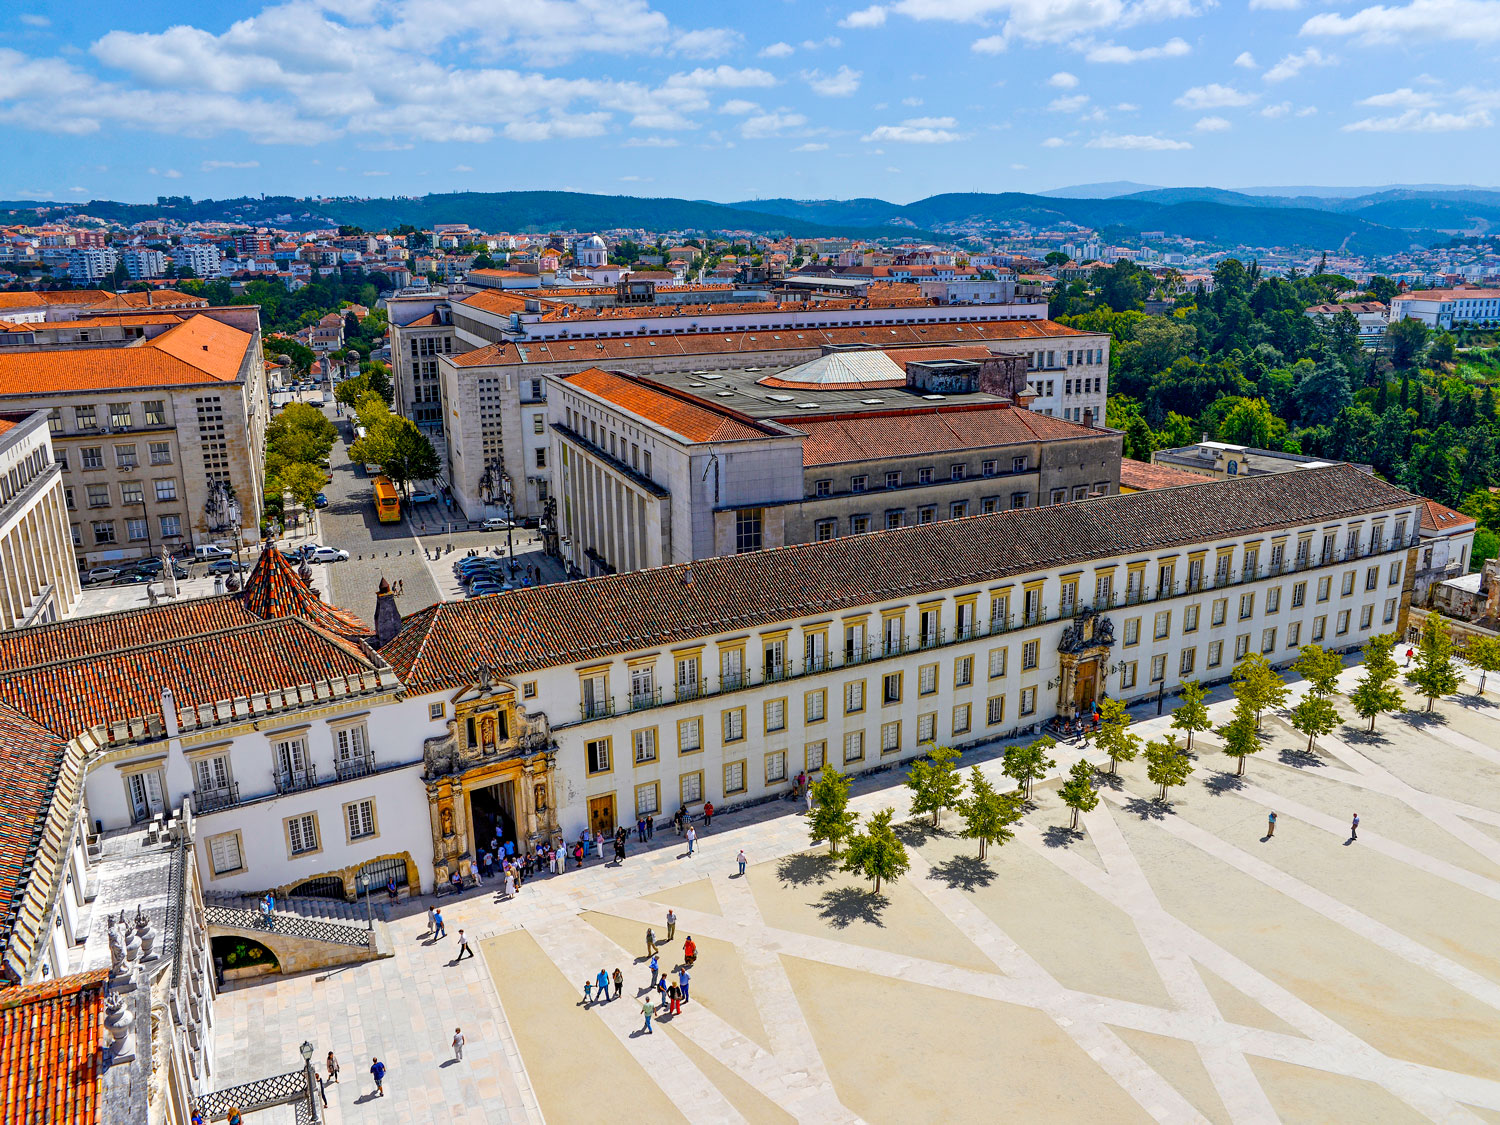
{"x": 312, "y": 1079}
{"x": 506, "y": 493}
{"x": 364, "y": 886}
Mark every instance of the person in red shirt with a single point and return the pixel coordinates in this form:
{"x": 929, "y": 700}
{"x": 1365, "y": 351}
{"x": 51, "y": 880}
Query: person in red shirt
{"x": 689, "y": 951}
{"x": 708, "y": 813}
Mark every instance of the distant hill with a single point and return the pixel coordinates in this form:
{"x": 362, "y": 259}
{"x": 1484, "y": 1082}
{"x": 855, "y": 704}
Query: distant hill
{"x": 1107, "y": 190}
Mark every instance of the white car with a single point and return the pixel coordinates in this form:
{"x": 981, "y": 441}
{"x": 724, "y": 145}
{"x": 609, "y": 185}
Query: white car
{"x": 495, "y": 523}
{"x": 326, "y": 554}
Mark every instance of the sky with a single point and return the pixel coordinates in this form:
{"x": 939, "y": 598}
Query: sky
{"x": 898, "y": 99}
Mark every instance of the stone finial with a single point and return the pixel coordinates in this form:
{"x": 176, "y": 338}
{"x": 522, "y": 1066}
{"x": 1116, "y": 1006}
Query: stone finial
{"x": 118, "y": 1021}
{"x": 132, "y": 941}
{"x": 147, "y": 933}
{"x": 116, "y": 951}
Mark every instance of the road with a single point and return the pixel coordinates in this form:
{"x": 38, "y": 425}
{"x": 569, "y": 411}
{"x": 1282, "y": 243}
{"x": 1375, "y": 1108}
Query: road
{"x": 398, "y": 552}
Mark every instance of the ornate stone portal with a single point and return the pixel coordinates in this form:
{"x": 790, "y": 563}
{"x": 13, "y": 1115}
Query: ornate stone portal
{"x": 491, "y": 741}
{"x": 1083, "y": 657}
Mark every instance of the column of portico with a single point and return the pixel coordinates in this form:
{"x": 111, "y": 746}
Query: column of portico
{"x": 10, "y": 589}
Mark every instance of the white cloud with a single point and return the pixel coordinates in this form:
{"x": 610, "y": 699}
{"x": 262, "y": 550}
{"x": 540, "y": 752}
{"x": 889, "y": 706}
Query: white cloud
{"x": 1416, "y": 121}
{"x": 770, "y": 124}
{"x": 840, "y": 84}
{"x": 651, "y": 142}
{"x": 1246, "y": 60}
{"x": 374, "y": 173}
{"x": 1404, "y": 98}
{"x": 1307, "y": 111}
{"x": 1048, "y": 21}
{"x": 818, "y": 44}
{"x": 738, "y": 107}
{"x": 215, "y": 165}
{"x": 706, "y": 43}
{"x": 1212, "y": 124}
{"x": 1054, "y": 142}
{"x": 462, "y": 168}
{"x": 1126, "y": 107}
{"x": 1072, "y": 103}
{"x": 1293, "y": 65}
{"x": 1063, "y": 80}
{"x": 637, "y": 179}
{"x": 170, "y": 173}
{"x": 31, "y": 19}
{"x": 918, "y": 131}
{"x": 989, "y": 45}
{"x": 913, "y": 102}
{"x": 777, "y": 51}
{"x": 1137, "y": 142}
{"x": 1274, "y": 5}
{"x": 811, "y": 146}
{"x": 873, "y": 16}
{"x": 1473, "y": 21}
{"x": 1280, "y": 109}
{"x": 1213, "y": 96}
{"x": 722, "y": 77}
{"x": 1110, "y": 53}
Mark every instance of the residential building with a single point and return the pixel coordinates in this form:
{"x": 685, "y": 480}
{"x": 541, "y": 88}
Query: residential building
{"x": 1445, "y": 308}
{"x": 421, "y": 328}
{"x": 1371, "y": 316}
{"x": 1225, "y": 459}
{"x": 38, "y": 570}
{"x": 1141, "y": 476}
{"x": 1446, "y": 548}
{"x": 201, "y": 257}
{"x": 89, "y": 265}
{"x": 159, "y": 439}
{"x": 143, "y": 262}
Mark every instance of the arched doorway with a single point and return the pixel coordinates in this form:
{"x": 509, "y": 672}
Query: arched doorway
{"x": 492, "y": 811}
{"x": 324, "y": 886}
{"x": 241, "y": 956}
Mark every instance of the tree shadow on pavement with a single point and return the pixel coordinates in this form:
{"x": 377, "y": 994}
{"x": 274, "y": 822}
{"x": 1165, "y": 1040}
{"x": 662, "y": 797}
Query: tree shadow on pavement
{"x": 1299, "y": 758}
{"x": 803, "y": 868}
{"x": 1113, "y": 780}
{"x": 1147, "y": 810}
{"x": 963, "y": 872}
{"x": 844, "y": 906}
{"x": 1364, "y": 737}
{"x": 1060, "y": 835}
{"x": 1421, "y": 719}
{"x": 915, "y": 833}
{"x": 1219, "y": 782}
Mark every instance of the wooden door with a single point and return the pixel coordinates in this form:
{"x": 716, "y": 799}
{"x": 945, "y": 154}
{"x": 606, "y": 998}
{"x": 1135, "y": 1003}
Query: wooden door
{"x": 602, "y": 814}
{"x": 1087, "y": 679}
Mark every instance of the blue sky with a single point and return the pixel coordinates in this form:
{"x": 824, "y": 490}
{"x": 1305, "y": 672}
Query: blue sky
{"x": 900, "y": 99}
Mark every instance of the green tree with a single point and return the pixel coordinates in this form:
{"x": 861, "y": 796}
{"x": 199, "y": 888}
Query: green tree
{"x": 1241, "y": 735}
{"x": 1078, "y": 791}
{"x": 1027, "y": 763}
{"x": 877, "y": 854}
{"x": 1376, "y": 693}
{"x": 1167, "y": 764}
{"x": 988, "y": 814}
{"x": 350, "y": 391}
{"x": 380, "y": 381}
{"x": 1484, "y": 654}
{"x": 1320, "y": 669}
{"x": 1314, "y": 714}
{"x": 1406, "y": 339}
{"x": 830, "y": 818}
{"x": 1192, "y": 713}
{"x": 1383, "y": 288}
{"x": 935, "y": 782}
{"x": 302, "y": 480}
{"x": 301, "y": 432}
{"x": 1114, "y": 736}
{"x": 1258, "y": 686}
{"x": 411, "y": 457}
{"x": 1434, "y": 674}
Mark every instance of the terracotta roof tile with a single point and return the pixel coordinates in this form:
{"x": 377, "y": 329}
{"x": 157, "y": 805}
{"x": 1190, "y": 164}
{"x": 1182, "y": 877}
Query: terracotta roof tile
{"x": 50, "y": 1051}
{"x": 30, "y": 299}
{"x": 834, "y": 439}
{"x": 688, "y": 417}
{"x": 1436, "y": 517}
{"x": 199, "y": 350}
{"x": 31, "y": 757}
{"x": 558, "y": 624}
{"x": 273, "y": 589}
{"x": 1143, "y": 475}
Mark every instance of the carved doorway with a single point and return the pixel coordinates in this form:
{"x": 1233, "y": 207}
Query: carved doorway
{"x": 602, "y": 814}
{"x": 492, "y": 812}
{"x": 1086, "y": 687}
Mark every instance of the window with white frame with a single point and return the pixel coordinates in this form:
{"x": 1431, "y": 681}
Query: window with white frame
{"x": 927, "y": 679}
{"x": 734, "y": 724}
{"x": 1030, "y": 654}
{"x": 689, "y": 735}
{"x": 813, "y": 756}
{"x": 1293, "y": 633}
{"x": 1127, "y": 674}
{"x": 1241, "y": 645}
{"x": 1185, "y": 663}
{"x": 1158, "y": 668}
{"x": 963, "y": 671}
{"x": 927, "y": 727}
{"x": 1390, "y": 611}
{"x": 597, "y": 752}
{"x": 814, "y": 706}
{"x": 1215, "y": 653}
{"x": 1366, "y": 616}
{"x": 644, "y": 744}
{"x": 359, "y": 816}
{"x": 647, "y": 799}
{"x": 690, "y": 787}
{"x": 211, "y": 774}
{"x": 854, "y": 746}
{"x": 997, "y": 662}
{"x": 854, "y": 697}
{"x": 302, "y": 833}
{"x": 1247, "y": 606}
{"x": 1268, "y": 640}
{"x": 224, "y": 853}
{"x": 1342, "y": 624}
{"x": 775, "y": 715}
{"x": 1273, "y": 600}
{"x": 890, "y": 737}
{"x": 1028, "y": 701}
{"x": 961, "y": 718}
{"x": 775, "y": 767}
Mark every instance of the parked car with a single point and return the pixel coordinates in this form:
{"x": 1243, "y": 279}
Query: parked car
{"x": 100, "y": 574}
{"x": 152, "y": 567}
{"x": 487, "y": 587}
{"x": 326, "y": 554}
{"x": 211, "y": 551}
{"x": 320, "y": 501}
{"x": 530, "y": 523}
{"x": 495, "y": 523}
{"x": 227, "y": 566}
{"x": 423, "y": 497}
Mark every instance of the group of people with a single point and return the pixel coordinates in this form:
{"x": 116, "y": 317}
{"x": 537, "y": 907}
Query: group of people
{"x": 671, "y": 991}
{"x": 512, "y": 867}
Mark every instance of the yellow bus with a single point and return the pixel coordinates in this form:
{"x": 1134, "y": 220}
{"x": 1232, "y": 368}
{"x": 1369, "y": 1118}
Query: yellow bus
{"x": 387, "y": 504}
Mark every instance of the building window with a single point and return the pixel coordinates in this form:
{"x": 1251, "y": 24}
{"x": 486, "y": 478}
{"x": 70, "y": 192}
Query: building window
{"x": 998, "y": 662}
{"x": 1241, "y": 646}
{"x": 1325, "y": 588}
{"x": 125, "y": 456}
{"x": 1030, "y": 655}
{"x": 961, "y": 718}
{"x": 734, "y": 724}
{"x": 136, "y": 530}
{"x": 924, "y": 476}
{"x": 1268, "y": 640}
{"x": 859, "y": 483}
{"x": 598, "y": 755}
{"x": 1293, "y": 634}
{"x": 1185, "y": 663}
{"x": 435, "y": 710}
{"x": 644, "y": 744}
{"x": 689, "y": 735}
{"x": 1273, "y": 600}
{"x": 1299, "y": 595}
{"x": 858, "y": 525}
{"x": 104, "y": 531}
{"x": 98, "y": 495}
{"x": 775, "y": 767}
{"x": 359, "y": 816}
{"x": 166, "y": 489}
{"x": 994, "y": 711}
{"x": 647, "y": 799}
{"x": 1158, "y": 668}
{"x": 156, "y": 412}
{"x": 890, "y": 688}
{"x": 1390, "y": 611}
{"x": 224, "y": 854}
{"x": 927, "y": 513}
{"x": 854, "y": 746}
{"x": 1190, "y": 619}
{"x": 963, "y": 671}
{"x": 690, "y": 787}
{"x": 890, "y": 737}
{"x": 825, "y": 530}
{"x": 1028, "y": 701}
{"x": 119, "y": 415}
{"x": 1127, "y": 674}
{"x": 854, "y": 697}
{"x": 1247, "y": 606}
{"x": 957, "y": 472}
{"x": 989, "y": 468}
{"x": 83, "y": 417}
{"x": 747, "y": 530}
{"x": 538, "y": 423}
{"x": 893, "y": 479}
{"x": 161, "y": 453}
{"x": 1347, "y": 587}
{"x": 893, "y": 519}
{"x": 1215, "y": 653}
{"x": 302, "y": 833}
{"x": 927, "y": 679}
{"x": 91, "y": 457}
{"x": 775, "y": 715}
{"x": 813, "y": 756}
{"x": 1372, "y": 576}
{"x": 1394, "y": 576}
{"x": 1132, "y": 632}
{"x": 989, "y": 505}
{"x": 132, "y": 492}
{"x": 814, "y": 706}
{"x": 1341, "y": 623}
{"x": 823, "y": 488}
{"x": 1219, "y": 611}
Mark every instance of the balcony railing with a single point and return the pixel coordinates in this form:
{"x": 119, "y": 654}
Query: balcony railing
{"x": 691, "y": 689}
{"x": 210, "y": 800}
{"x": 597, "y": 708}
{"x": 645, "y": 700}
{"x": 361, "y": 765}
{"x": 293, "y": 781}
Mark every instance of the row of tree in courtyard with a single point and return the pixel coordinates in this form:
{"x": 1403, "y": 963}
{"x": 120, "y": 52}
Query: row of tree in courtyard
{"x": 876, "y": 852}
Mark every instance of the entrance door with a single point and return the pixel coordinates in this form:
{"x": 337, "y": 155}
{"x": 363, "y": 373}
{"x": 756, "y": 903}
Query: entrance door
{"x": 145, "y": 795}
{"x": 1083, "y": 699}
{"x": 602, "y": 814}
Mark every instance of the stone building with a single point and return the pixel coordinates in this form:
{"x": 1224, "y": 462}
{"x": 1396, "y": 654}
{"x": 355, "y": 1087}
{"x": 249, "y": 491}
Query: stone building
{"x": 38, "y": 570}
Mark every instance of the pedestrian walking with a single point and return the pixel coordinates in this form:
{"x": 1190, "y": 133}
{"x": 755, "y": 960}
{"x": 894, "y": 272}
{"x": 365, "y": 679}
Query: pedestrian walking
{"x": 741, "y": 862}
{"x": 683, "y": 980}
{"x": 674, "y": 999}
{"x": 458, "y": 1043}
{"x": 1354, "y": 828}
{"x": 463, "y": 947}
{"x": 619, "y": 983}
{"x": 322, "y": 1090}
{"x": 808, "y": 797}
{"x": 1409, "y": 655}
{"x": 234, "y": 1117}
{"x": 377, "y": 1072}
{"x": 510, "y": 885}
{"x": 708, "y": 813}
{"x": 588, "y": 993}
{"x": 692, "y": 838}
{"x": 646, "y": 1011}
{"x": 619, "y": 852}
{"x": 1270, "y": 825}
{"x": 437, "y": 921}
{"x": 333, "y": 1068}
{"x": 655, "y": 967}
{"x": 431, "y": 920}
{"x": 650, "y": 942}
{"x": 689, "y": 952}
{"x": 661, "y": 992}
{"x": 601, "y": 986}
{"x": 671, "y": 924}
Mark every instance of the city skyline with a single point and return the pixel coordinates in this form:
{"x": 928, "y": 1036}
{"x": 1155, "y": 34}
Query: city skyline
{"x": 385, "y": 97}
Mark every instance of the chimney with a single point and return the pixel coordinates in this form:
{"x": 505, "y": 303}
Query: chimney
{"x": 387, "y": 616}
{"x": 1088, "y": 417}
{"x": 169, "y": 712}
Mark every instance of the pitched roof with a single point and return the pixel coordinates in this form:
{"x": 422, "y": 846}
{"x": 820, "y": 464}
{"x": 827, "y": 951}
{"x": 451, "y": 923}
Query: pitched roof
{"x": 150, "y": 299}
{"x": 689, "y": 418}
{"x": 199, "y": 350}
{"x": 50, "y": 1054}
{"x": 33, "y": 299}
{"x": 31, "y": 757}
{"x": 838, "y": 438}
{"x": 1143, "y": 475}
{"x": 1436, "y": 517}
{"x": 130, "y": 319}
{"x": 561, "y": 623}
{"x": 273, "y": 589}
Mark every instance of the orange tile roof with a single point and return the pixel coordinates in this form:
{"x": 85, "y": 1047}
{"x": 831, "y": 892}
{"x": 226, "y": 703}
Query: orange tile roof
{"x": 32, "y": 299}
{"x": 51, "y": 1037}
{"x": 1143, "y": 475}
{"x": 150, "y": 299}
{"x": 688, "y": 417}
{"x": 199, "y": 350}
{"x": 505, "y": 301}
{"x": 1436, "y": 517}
{"x": 274, "y": 589}
{"x": 904, "y": 356}
{"x": 128, "y": 319}
{"x": 31, "y": 758}
{"x": 6, "y": 425}
{"x": 839, "y": 438}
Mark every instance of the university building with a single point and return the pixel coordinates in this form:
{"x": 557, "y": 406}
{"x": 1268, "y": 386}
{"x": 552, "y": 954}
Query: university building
{"x": 38, "y": 571}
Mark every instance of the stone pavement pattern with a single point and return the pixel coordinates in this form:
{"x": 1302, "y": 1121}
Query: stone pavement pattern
{"x": 1164, "y": 963}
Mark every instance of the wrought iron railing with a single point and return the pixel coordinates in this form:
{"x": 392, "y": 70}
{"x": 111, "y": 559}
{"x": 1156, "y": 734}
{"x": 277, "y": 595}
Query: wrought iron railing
{"x": 208, "y": 800}
{"x": 248, "y": 1097}
{"x": 292, "y": 781}
{"x": 362, "y": 765}
{"x": 290, "y": 925}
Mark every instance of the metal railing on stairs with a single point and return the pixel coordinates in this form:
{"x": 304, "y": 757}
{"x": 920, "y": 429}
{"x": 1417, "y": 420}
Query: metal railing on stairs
{"x": 290, "y": 925}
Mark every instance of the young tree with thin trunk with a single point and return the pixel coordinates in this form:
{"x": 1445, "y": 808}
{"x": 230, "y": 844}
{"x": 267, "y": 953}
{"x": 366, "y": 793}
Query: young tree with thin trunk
{"x": 1192, "y": 713}
{"x": 1484, "y": 654}
{"x": 935, "y": 783}
{"x": 1376, "y": 693}
{"x": 1434, "y": 674}
{"x": 1027, "y": 763}
{"x": 1078, "y": 791}
{"x": 1259, "y": 686}
{"x": 988, "y": 814}
{"x": 1114, "y": 736}
{"x": 1320, "y": 669}
{"x": 877, "y": 854}
{"x": 1313, "y": 715}
{"x": 830, "y": 817}
{"x": 1167, "y": 764}
{"x": 1241, "y": 736}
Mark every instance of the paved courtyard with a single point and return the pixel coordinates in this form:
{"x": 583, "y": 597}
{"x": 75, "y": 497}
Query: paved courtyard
{"x": 1164, "y": 963}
